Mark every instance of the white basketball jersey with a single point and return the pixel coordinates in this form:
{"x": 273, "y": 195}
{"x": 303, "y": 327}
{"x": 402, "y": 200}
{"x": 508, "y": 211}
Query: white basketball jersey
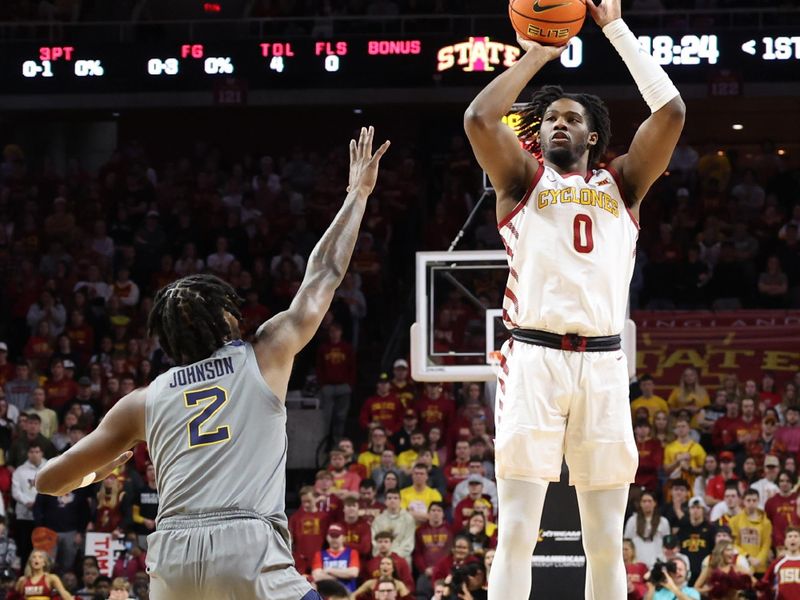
{"x": 571, "y": 244}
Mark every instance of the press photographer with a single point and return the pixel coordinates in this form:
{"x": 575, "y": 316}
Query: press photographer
{"x": 667, "y": 581}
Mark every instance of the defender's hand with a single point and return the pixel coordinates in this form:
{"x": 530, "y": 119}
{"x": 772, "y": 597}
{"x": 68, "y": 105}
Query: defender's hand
{"x": 531, "y": 47}
{"x": 363, "y": 164}
{"x": 605, "y": 11}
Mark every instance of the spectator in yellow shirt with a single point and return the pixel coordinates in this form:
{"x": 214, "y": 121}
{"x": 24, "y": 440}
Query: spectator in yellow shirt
{"x": 418, "y": 496}
{"x": 689, "y": 394}
{"x": 752, "y": 533}
{"x": 371, "y": 457}
{"x": 408, "y": 458}
{"x": 648, "y": 400}
{"x": 683, "y": 458}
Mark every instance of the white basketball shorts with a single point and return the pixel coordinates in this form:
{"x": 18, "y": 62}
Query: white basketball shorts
{"x": 555, "y": 403}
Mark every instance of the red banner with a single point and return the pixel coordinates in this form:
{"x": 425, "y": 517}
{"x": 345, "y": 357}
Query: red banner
{"x": 742, "y": 343}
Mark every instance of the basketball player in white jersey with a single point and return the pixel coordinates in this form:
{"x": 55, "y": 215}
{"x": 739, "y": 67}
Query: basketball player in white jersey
{"x": 570, "y": 233}
{"x": 215, "y": 425}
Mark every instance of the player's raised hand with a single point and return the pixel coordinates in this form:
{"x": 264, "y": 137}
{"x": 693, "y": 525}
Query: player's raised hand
{"x": 364, "y": 164}
{"x": 604, "y": 11}
{"x": 549, "y": 52}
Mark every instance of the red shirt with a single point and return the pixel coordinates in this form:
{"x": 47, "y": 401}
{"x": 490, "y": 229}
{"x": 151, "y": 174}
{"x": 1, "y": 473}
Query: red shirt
{"x": 783, "y": 579}
{"x": 636, "y": 573}
{"x": 372, "y": 569}
{"x": 336, "y": 364}
{"x": 782, "y": 512}
{"x": 60, "y": 392}
{"x": 349, "y": 480}
{"x": 435, "y": 413}
{"x": 308, "y": 535}
{"x": 358, "y": 536}
{"x": 37, "y": 348}
{"x": 715, "y": 486}
{"x": 723, "y": 433}
{"x": 444, "y": 567}
{"x": 330, "y": 504}
{"x": 82, "y": 339}
{"x": 463, "y": 511}
{"x": 455, "y": 472}
{"x": 386, "y": 410}
{"x": 430, "y": 545}
{"x": 406, "y": 394}
{"x": 6, "y": 373}
{"x": 651, "y": 457}
{"x": 368, "y": 512}
{"x": 752, "y": 427}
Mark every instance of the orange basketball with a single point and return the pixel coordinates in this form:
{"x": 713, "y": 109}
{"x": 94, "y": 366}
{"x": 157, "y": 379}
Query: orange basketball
{"x": 551, "y": 22}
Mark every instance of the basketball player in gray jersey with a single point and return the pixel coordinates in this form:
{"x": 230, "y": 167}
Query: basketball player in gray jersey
{"x": 216, "y": 425}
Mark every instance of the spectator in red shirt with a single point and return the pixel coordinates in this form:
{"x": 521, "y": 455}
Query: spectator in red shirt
{"x": 651, "y": 457}
{"x": 458, "y": 556}
{"x": 715, "y": 488}
{"x": 782, "y": 579}
{"x": 39, "y": 347}
{"x": 460, "y": 427}
{"x": 637, "y": 587}
{"x": 402, "y": 385}
{"x": 81, "y": 334}
{"x": 307, "y": 526}
{"x": 768, "y": 394}
{"x": 6, "y": 368}
{"x": 325, "y": 499}
{"x": 368, "y": 505}
{"x": 382, "y": 549}
{"x": 457, "y": 470}
{"x": 464, "y": 509}
{"x": 350, "y": 458}
{"x": 59, "y": 388}
{"x": 723, "y": 433}
{"x": 357, "y": 532}
{"x": 336, "y": 374}
{"x": 383, "y": 408}
{"x": 345, "y": 481}
{"x": 782, "y": 509}
{"x": 432, "y": 542}
{"x": 434, "y": 408}
{"x": 749, "y": 428}
{"x": 766, "y": 442}
{"x": 789, "y": 434}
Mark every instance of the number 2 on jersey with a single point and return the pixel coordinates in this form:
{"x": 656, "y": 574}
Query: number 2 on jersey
{"x": 582, "y": 234}
{"x": 217, "y": 397}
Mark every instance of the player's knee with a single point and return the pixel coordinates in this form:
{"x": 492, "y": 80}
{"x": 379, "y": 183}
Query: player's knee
{"x": 518, "y": 530}
{"x": 602, "y": 549}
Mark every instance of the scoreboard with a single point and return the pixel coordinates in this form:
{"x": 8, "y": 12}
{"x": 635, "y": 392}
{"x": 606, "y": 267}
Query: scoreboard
{"x": 442, "y": 60}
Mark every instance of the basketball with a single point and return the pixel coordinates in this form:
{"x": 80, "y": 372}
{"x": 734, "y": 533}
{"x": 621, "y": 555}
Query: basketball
{"x": 550, "y": 22}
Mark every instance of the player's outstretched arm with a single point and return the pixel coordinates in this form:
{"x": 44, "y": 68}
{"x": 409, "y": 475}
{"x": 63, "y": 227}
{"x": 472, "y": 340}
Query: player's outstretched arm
{"x": 495, "y": 145}
{"x": 656, "y": 138}
{"x": 285, "y": 334}
{"x": 100, "y": 452}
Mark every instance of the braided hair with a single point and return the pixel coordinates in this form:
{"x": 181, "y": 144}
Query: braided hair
{"x": 531, "y": 119}
{"x": 188, "y": 316}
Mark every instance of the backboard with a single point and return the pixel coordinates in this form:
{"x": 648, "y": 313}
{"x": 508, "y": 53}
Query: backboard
{"x": 459, "y": 329}
{"x": 459, "y": 306}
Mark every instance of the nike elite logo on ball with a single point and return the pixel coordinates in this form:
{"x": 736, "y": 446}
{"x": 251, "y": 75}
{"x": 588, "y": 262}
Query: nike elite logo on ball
{"x": 538, "y": 8}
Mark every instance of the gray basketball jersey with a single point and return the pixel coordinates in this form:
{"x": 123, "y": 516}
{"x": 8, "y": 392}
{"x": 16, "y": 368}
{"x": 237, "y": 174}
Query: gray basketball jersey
{"x": 217, "y": 437}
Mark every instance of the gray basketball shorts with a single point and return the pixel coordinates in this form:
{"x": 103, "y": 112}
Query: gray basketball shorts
{"x": 214, "y": 557}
